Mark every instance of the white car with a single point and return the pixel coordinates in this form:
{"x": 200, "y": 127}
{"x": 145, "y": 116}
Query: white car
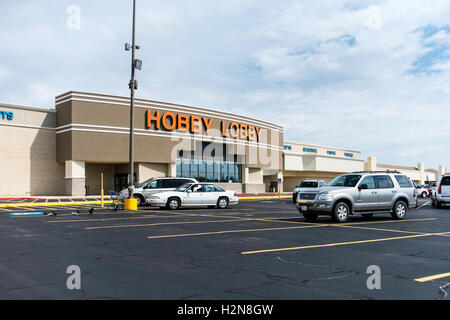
{"x": 422, "y": 192}
{"x": 194, "y": 195}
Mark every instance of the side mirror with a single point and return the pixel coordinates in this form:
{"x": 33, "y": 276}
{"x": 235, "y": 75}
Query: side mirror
{"x": 188, "y": 191}
{"x": 363, "y": 186}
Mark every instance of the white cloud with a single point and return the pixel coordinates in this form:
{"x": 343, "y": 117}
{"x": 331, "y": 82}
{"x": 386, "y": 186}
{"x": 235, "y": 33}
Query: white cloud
{"x": 315, "y": 68}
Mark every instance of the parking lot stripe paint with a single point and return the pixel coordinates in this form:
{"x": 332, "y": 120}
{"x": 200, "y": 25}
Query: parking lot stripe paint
{"x": 228, "y": 231}
{"x": 378, "y": 229}
{"x": 429, "y": 278}
{"x": 113, "y": 219}
{"x": 390, "y": 221}
{"x": 336, "y": 244}
{"x": 165, "y": 223}
{"x": 422, "y": 205}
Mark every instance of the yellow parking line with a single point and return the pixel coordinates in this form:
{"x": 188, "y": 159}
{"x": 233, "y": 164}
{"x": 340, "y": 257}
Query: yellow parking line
{"x": 336, "y": 244}
{"x": 165, "y": 223}
{"x": 393, "y": 221}
{"x": 378, "y": 229}
{"x": 228, "y": 231}
{"x": 250, "y": 218}
{"x": 112, "y": 219}
{"x": 429, "y": 278}
{"x": 423, "y": 205}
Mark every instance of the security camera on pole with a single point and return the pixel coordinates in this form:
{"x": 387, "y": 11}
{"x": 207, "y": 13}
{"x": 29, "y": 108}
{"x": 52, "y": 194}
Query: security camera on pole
{"x": 131, "y": 202}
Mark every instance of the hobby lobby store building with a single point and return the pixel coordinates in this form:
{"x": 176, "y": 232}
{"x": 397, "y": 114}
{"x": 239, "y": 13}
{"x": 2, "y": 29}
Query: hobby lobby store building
{"x": 64, "y": 151}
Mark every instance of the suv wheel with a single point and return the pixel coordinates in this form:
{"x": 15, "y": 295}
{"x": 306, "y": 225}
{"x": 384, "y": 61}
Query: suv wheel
{"x": 222, "y": 203}
{"x": 173, "y": 203}
{"x": 400, "y": 210}
{"x": 341, "y": 212}
{"x": 310, "y": 216}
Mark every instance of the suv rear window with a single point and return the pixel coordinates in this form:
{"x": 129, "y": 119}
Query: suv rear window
{"x": 404, "y": 181}
{"x": 445, "y": 181}
{"x": 384, "y": 182}
{"x": 308, "y": 184}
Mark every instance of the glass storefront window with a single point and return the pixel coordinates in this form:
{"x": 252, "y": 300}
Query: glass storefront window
{"x": 223, "y": 172}
{"x": 209, "y": 171}
{"x": 216, "y": 172}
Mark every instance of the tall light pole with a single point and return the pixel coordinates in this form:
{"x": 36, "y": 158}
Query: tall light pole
{"x": 135, "y": 64}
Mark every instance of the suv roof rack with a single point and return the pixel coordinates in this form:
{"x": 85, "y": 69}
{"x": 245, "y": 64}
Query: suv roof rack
{"x": 383, "y": 171}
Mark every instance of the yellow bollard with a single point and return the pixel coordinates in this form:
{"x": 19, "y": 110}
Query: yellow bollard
{"x": 130, "y": 204}
{"x": 101, "y": 192}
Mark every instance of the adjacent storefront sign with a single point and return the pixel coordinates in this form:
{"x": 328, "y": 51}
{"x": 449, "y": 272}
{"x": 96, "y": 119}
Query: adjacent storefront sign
{"x": 313, "y": 150}
{"x": 348, "y": 154}
{"x": 5, "y": 115}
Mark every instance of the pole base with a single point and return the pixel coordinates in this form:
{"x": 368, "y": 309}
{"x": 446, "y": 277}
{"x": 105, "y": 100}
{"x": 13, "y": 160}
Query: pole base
{"x": 130, "y": 204}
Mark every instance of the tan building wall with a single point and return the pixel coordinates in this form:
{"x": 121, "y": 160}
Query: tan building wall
{"x": 418, "y": 174}
{"x": 28, "y": 159}
{"x": 93, "y": 177}
{"x": 314, "y": 162}
{"x": 94, "y": 128}
{"x": 152, "y": 170}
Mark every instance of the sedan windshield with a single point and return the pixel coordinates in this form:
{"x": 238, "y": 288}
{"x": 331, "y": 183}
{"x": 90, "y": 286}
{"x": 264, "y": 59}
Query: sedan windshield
{"x": 184, "y": 187}
{"x": 348, "y": 180}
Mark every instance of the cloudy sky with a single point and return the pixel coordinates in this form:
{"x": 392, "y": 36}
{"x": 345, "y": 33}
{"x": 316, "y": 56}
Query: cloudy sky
{"x": 367, "y": 75}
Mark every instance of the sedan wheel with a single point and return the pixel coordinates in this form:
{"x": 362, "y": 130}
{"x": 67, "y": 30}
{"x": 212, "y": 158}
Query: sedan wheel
{"x": 222, "y": 203}
{"x": 173, "y": 203}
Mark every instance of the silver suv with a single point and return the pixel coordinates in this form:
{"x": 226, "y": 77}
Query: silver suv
{"x": 441, "y": 196}
{"x": 144, "y": 190}
{"x": 364, "y": 193}
{"x": 310, "y": 184}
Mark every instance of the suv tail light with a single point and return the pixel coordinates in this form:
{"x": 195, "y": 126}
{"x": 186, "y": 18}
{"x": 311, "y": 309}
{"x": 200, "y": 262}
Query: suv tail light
{"x": 415, "y": 193}
{"x": 439, "y": 189}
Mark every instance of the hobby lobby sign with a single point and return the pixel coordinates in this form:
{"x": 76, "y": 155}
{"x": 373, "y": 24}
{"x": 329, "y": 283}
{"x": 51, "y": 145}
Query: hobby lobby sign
{"x": 170, "y": 121}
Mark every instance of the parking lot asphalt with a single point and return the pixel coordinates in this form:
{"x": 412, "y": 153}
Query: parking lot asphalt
{"x": 255, "y": 250}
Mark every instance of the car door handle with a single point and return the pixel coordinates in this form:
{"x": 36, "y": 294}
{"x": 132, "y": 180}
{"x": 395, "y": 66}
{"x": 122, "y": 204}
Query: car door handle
{"x": 393, "y": 191}
{"x": 374, "y": 192}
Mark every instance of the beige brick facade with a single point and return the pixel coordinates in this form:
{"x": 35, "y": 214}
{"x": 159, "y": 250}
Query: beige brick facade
{"x": 28, "y": 157}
